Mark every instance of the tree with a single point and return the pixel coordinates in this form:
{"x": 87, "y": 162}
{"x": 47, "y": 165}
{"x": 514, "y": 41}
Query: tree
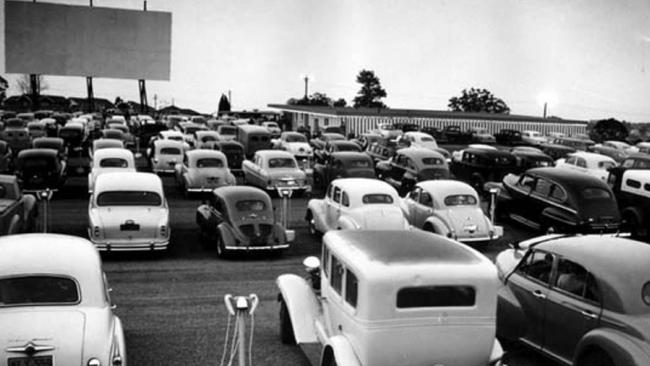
{"x": 478, "y": 100}
{"x": 316, "y": 99}
{"x": 224, "y": 104}
{"x": 340, "y": 103}
{"x": 607, "y": 129}
{"x": 371, "y": 92}
{"x": 25, "y": 84}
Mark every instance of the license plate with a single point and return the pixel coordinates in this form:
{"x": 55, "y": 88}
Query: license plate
{"x": 30, "y": 361}
{"x": 130, "y": 226}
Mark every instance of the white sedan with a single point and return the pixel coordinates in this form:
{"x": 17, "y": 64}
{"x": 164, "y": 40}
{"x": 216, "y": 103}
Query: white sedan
{"x": 203, "y": 171}
{"x": 589, "y": 163}
{"x": 55, "y": 306}
{"x": 128, "y": 211}
{"x": 272, "y": 169}
{"x": 164, "y": 155}
{"x": 357, "y": 204}
{"x": 110, "y": 160}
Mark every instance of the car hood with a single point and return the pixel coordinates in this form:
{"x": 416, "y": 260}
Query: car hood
{"x": 467, "y": 222}
{"x": 149, "y": 219}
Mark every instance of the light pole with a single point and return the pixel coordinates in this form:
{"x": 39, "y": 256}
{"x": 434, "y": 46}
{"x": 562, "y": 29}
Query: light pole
{"x": 547, "y": 98}
{"x": 545, "y": 104}
{"x": 306, "y": 78}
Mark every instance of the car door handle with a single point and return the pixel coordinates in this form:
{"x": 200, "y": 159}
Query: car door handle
{"x": 589, "y": 314}
{"x": 538, "y": 294}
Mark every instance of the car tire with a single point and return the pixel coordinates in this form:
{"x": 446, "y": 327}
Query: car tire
{"x": 286, "y": 327}
{"x": 595, "y": 358}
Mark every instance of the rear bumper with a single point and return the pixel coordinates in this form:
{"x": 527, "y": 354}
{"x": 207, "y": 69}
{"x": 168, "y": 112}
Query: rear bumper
{"x": 257, "y": 247}
{"x": 130, "y": 245}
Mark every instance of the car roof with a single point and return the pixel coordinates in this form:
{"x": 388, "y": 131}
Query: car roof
{"x": 350, "y": 155}
{"x": 167, "y": 133}
{"x": 38, "y": 152}
{"x": 567, "y": 177}
{"x": 268, "y": 154}
{"x": 364, "y": 185}
{"x": 489, "y": 152}
{"x": 54, "y": 254}
{"x": 129, "y": 181}
{"x": 619, "y": 264}
{"x": 234, "y": 193}
{"x": 642, "y": 175}
{"x": 253, "y": 128}
{"x": 204, "y": 153}
{"x": 417, "y": 134}
{"x": 420, "y": 152}
{"x": 169, "y": 143}
{"x": 113, "y": 152}
{"x": 589, "y": 156}
{"x": 446, "y": 187}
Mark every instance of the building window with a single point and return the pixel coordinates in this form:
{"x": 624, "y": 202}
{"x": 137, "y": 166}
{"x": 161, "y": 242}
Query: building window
{"x": 326, "y": 122}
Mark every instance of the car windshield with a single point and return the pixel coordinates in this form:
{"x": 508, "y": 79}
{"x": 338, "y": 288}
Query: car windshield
{"x": 432, "y": 161}
{"x": 427, "y": 139}
{"x": 170, "y": 151}
{"x": 250, "y": 205}
{"x": 352, "y": 164}
{"x": 114, "y": 163}
{"x": 296, "y": 138}
{"x": 209, "y": 163}
{"x": 606, "y": 165}
{"x": 227, "y": 130}
{"x": 377, "y": 198}
{"x": 38, "y": 290}
{"x": 129, "y": 198}
{"x": 282, "y": 163}
{"x": 192, "y": 129}
{"x": 175, "y": 138}
{"x": 69, "y": 133}
{"x": 460, "y": 200}
{"x": 595, "y": 193}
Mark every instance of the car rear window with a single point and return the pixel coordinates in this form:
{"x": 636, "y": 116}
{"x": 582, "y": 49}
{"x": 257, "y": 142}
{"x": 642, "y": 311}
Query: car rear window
{"x": 170, "y": 151}
{"x": 282, "y": 163}
{"x": 30, "y": 290}
{"x": 129, "y": 198}
{"x": 460, "y": 200}
{"x": 209, "y": 163}
{"x": 296, "y": 138}
{"x": 113, "y": 163}
{"x": 250, "y": 205}
{"x": 358, "y": 164}
{"x": 432, "y": 161}
{"x": 377, "y": 198}
{"x": 436, "y": 296}
{"x": 592, "y": 193}
{"x": 427, "y": 139}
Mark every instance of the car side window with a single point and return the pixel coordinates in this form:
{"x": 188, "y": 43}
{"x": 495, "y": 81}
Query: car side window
{"x": 425, "y": 199}
{"x": 576, "y": 280}
{"x": 526, "y": 182}
{"x": 336, "y": 278}
{"x": 326, "y": 261}
{"x": 330, "y": 190}
{"x": 415, "y": 194}
{"x": 410, "y": 164}
{"x": 571, "y": 160}
{"x": 558, "y": 194}
{"x": 345, "y": 200}
{"x": 337, "y": 194}
{"x": 581, "y": 162}
{"x": 537, "y": 265}
{"x": 351, "y": 288}
{"x": 542, "y": 188}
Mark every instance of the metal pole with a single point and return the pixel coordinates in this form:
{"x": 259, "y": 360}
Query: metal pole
{"x": 306, "y": 86}
{"x": 285, "y": 208}
{"x": 45, "y": 210}
{"x": 545, "y": 103}
{"x": 91, "y": 93}
{"x": 242, "y": 314}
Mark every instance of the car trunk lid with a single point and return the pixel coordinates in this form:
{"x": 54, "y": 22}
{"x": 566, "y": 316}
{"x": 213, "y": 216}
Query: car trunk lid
{"x": 129, "y": 222}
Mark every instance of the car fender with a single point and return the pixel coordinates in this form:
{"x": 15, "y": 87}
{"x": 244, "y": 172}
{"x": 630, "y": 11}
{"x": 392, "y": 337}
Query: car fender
{"x": 226, "y": 233}
{"x": 14, "y": 225}
{"x": 623, "y": 349}
{"x": 317, "y": 208}
{"x": 555, "y": 215}
{"x": 439, "y": 225}
{"x": 302, "y": 304}
{"x": 347, "y": 223}
{"x": 120, "y": 340}
{"x": 511, "y": 320}
{"x": 636, "y": 212}
{"x": 341, "y": 350}
{"x": 29, "y": 203}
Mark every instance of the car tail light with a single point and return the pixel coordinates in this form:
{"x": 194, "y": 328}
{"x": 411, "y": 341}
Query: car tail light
{"x": 96, "y": 231}
{"x": 163, "y": 231}
{"x": 94, "y": 362}
{"x": 117, "y": 360}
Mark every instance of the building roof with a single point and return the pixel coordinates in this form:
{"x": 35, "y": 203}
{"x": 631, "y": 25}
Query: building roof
{"x": 415, "y": 113}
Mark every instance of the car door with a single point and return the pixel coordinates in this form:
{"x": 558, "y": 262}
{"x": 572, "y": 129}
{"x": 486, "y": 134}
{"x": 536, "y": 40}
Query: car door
{"x": 255, "y": 171}
{"x": 520, "y": 192}
{"x": 397, "y": 168}
{"x": 573, "y": 308}
{"x": 529, "y": 284}
{"x": 333, "y": 207}
{"x": 423, "y": 209}
{"x": 539, "y": 200}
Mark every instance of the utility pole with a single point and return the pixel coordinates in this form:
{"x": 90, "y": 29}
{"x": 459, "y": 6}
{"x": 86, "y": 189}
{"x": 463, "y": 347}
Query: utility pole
{"x": 155, "y": 101}
{"x": 545, "y": 104}
{"x": 306, "y": 78}
{"x": 230, "y": 99}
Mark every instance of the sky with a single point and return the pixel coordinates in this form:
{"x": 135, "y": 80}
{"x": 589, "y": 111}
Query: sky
{"x": 588, "y": 59}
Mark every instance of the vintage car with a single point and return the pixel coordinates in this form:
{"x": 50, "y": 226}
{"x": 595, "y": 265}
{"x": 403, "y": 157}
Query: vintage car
{"x": 631, "y": 187}
{"x": 39, "y": 169}
{"x": 642, "y": 147}
{"x": 227, "y": 132}
{"x": 478, "y": 166}
{"x": 273, "y": 128}
{"x": 6, "y": 162}
{"x": 579, "y": 300}
{"x": 457, "y": 155}
{"x": 253, "y": 138}
{"x": 633, "y": 161}
{"x": 202, "y": 171}
{"x": 110, "y": 160}
{"x": 295, "y": 143}
{"x": 422, "y": 140}
{"x": 551, "y": 199}
{"x": 556, "y": 151}
{"x": 172, "y": 135}
{"x": 455, "y": 135}
{"x": 147, "y": 131}
{"x": 530, "y": 157}
{"x": 388, "y": 130}
{"x": 508, "y": 137}
{"x": 411, "y": 165}
{"x": 128, "y": 211}
{"x": 201, "y": 137}
{"x": 532, "y": 138}
{"x": 127, "y": 136}
{"x": 322, "y": 155}
{"x": 272, "y": 169}
{"x": 234, "y": 152}
{"x": 188, "y": 130}
{"x": 618, "y": 145}
{"x": 318, "y": 142}
{"x": 55, "y": 304}
{"x": 357, "y": 204}
{"x": 54, "y": 143}
{"x": 105, "y": 144}
{"x": 15, "y": 133}
{"x": 75, "y": 136}
{"x": 481, "y": 135}
{"x": 164, "y": 155}
{"x": 450, "y": 208}
{"x": 18, "y": 211}
{"x": 385, "y": 298}
{"x": 365, "y": 139}
{"x": 36, "y": 129}
{"x": 213, "y": 123}
{"x": 612, "y": 152}
{"x": 240, "y": 218}
{"x": 574, "y": 142}
{"x": 344, "y": 164}
{"x": 593, "y": 164}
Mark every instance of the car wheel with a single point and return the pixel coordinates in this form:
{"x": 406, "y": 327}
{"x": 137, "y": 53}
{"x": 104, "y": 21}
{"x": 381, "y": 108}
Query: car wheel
{"x": 429, "y": 228}
{"x": 286, "y": 328}
{"x": 596, "y": 358}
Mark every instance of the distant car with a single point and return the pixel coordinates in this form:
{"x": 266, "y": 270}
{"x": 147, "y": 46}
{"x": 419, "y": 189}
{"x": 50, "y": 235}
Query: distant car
{"x": 422, "y": 140}
{"x": 618, "y": 145}
{"x": 201, "y": 137}
{"x": 110, "y": 160}
{"x": 612, "y": 152}
{"x": 633, "y": 161}
{"x": 508, "y": 137}
{"x": 273, "y": 128}
{"x": 128, "y": 211}
{"x": 227, "y": 132}
{"x": 380, "y": 298}
{"x": 55, "y": 304}
{"x": 559, "y": 200}
{"x": 631, "y": 186}
{"x": 556, "y": 151}
{"x": 450, "y": 208}
{"x": 330, "y": 147}
{"x": 576, "y": 143}
{"x": 478, "y": 166}
{"x": 164, "y": 155}
{"x": 202, "y": 171}
{"x": 6, "y": 162}
{"x": 188, "y": 129}
{"x": 388, "y": 131}
{"x": 357, "y": 204}
{"x": 241, "y": 219}
{"x": 318, "y": 143}
{"x": 272, "y": 169}
{"x": 36, "y": 129}
{"x": 365, "y": 139}
{"x": 411, "y": 165}
{"x": 533, "y": 138}
{"x": 105, "y": 144}
{"x": 234, "y": 152}
{"x": 127, "y": 136}
{"x": 15, "y": 133}
{"x": 530, "y": 157}
{"x": 39, "y": 169}
{"x": 580, "y": 300}
{"x": 457, "y": 155}
{"x": 381, "y": 151}
{"x": 18, "y": 211}
{"x": 482, "y": 136}
{"x": 75, "y": 136}
{"x": 344, "y": 164}
{"x": 593, "y": 164}
{"x": 171, "y": 135}
{"x": 253, "y": 138}
{"x": 455, "y": 135}
{"x": 295, "y": 143}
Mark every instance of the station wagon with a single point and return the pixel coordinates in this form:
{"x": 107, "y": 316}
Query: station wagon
{"x": 392, "y": 298}
{"x": 253, "y": 138}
